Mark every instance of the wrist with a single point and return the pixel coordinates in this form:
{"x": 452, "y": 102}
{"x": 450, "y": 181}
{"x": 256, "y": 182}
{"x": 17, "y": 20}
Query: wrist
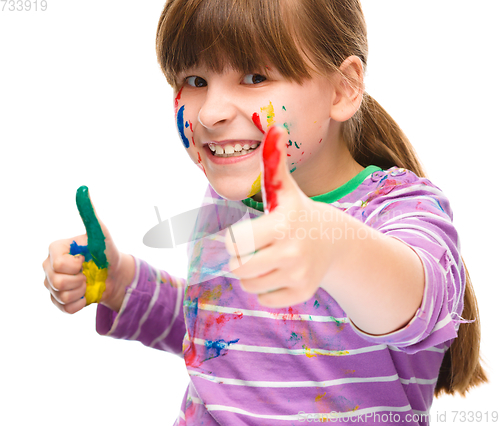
{"x": 126, "y": 268}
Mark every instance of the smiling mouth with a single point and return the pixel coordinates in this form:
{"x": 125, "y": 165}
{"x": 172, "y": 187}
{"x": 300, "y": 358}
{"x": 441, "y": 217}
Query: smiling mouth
{"x": 231, "y": 150}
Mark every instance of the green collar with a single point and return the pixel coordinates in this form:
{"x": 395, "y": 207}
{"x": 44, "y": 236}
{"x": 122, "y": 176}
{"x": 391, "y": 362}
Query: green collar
{"x": 329, "y": 197}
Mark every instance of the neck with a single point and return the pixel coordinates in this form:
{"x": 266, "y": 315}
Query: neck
{"x": 331, "y": 168}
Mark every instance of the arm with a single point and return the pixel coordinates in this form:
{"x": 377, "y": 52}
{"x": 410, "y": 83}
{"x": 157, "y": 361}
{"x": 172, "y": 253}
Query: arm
{"x": 412, "y": 274}
{"x": 391, "y": 259}
{"x": 378, "y": 280}
{"x": 150, "y": 310}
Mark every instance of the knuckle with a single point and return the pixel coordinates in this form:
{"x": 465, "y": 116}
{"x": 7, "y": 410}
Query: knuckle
{"x": 57, "y": 283}
{"x": 64, "y": 298}
{"x": 71, "y": 309}
{"x": 58, "y": 264}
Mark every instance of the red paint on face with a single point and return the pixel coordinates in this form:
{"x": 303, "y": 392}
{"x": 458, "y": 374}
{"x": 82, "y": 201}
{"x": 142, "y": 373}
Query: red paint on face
{"x": 256, "y": 121}
{"x": 200, "y": 163}
{"x": 271, "y": 158}
{"x": 177, "y": 99}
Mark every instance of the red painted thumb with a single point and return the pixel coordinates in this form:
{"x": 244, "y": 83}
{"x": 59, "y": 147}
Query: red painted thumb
{"x": 276, "y": 176}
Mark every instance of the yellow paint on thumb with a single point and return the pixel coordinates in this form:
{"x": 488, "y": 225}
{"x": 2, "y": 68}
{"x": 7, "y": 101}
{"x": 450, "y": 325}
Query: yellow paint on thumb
{"x": 96, "y": 281}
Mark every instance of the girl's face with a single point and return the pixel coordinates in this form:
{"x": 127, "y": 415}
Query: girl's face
{"x": 221, "y": 118}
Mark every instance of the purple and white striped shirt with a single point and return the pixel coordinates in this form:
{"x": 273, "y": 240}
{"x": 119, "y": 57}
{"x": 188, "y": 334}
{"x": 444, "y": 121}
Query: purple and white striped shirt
{"x": 251, "y": 365}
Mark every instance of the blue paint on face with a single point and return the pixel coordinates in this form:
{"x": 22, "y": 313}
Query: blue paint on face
{"x": 180, "y": 126}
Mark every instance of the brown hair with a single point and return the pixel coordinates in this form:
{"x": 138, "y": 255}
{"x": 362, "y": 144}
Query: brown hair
{"x": 248, "y": 34}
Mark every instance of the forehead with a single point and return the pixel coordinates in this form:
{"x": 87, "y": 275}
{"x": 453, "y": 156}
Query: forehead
{"x": 245, "y": 36}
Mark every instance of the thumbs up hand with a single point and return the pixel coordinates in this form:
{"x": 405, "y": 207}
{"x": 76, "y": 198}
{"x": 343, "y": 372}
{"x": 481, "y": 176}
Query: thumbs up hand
{"x": 290, "y": 259}
{"x": 88, "y": 268}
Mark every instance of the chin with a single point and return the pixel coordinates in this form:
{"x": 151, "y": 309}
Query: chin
{"x": 231, "y": 192}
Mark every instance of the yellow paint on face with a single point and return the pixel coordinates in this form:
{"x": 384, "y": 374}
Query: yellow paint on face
{"x": 255, "y": 187}
{"x": 96, "y": 281}
{"x": 269, "y": 111}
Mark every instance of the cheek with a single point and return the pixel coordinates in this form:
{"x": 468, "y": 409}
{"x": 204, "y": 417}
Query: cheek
{"x": 184, "y": 126}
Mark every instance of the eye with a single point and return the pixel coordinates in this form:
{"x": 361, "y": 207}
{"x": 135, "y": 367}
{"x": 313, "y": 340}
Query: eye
{"x": 254, "y": 79}
{"x": 196, "y": 81}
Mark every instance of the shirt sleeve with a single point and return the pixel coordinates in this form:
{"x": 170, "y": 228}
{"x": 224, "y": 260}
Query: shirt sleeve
{"x": 417, "y": 213}
{"x": 151, "y": 312}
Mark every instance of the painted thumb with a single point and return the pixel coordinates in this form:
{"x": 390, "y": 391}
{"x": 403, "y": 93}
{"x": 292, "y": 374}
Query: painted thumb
{"x": 276, "y": 176}
{"x": 96, "y": 237}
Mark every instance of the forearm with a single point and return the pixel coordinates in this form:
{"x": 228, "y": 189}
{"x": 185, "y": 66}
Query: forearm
{"x": 376, "y": 279}
{"x": 150, "y": 310}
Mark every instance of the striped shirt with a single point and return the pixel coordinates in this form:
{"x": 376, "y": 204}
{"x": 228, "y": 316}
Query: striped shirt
{"x": 251, "y": 365}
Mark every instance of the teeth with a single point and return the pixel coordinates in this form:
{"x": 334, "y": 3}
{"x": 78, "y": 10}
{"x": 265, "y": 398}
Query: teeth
{"x": 232, "y": 151}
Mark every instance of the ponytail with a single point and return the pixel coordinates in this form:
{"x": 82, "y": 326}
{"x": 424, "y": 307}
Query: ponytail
{"x": 373, "y": 137}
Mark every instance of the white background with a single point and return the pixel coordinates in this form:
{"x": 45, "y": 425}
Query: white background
{"x": 83, "y": 102}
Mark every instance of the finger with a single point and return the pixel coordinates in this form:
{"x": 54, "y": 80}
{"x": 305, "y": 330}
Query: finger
{"x": 64, "y": 282}
{"x": 280, "y": 298}
{"x": 60, "y": 260}
{"x": 278, "y": 182}
{"x": 264, "y": 283}
{"x": 68, "y": 296}
{"x": 95, "y": 234}
{"x": 249, "y": 236}
{"x": 259, "y": 263}
{"x": 70, "y": 308}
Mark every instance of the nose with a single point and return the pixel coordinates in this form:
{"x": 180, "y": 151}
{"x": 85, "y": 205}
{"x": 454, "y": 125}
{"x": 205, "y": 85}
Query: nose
{"x": 217, "y": 109}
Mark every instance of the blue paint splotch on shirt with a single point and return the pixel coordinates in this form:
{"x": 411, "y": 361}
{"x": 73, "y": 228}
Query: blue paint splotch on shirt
{"x": 214, "y": 348}
{"x": 180, "y": 126}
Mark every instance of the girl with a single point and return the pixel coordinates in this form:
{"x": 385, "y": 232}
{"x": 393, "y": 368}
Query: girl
{"x": 348, "y": 301}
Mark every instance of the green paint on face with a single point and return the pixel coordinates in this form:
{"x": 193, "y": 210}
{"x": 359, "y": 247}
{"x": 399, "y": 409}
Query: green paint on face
{"x": 95, "y": 235}
{"x": 297, "y": 145}
{"x": 295, "y": 168}
{"x": 285, "y": 125}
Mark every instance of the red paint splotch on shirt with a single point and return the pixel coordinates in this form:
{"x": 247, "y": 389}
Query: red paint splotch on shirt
{"x": 271, "y": 158}
{"x": 224, "y": 318}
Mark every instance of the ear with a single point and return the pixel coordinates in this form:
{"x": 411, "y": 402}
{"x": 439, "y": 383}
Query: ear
{"x": 349, "y": 87}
